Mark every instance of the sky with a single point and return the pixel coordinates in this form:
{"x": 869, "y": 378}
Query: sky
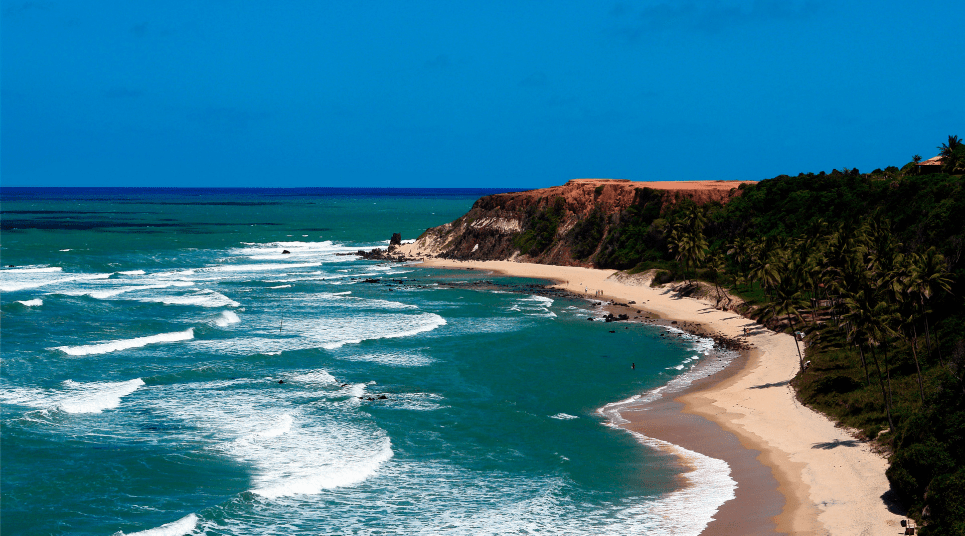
{"x": 470, "y": 94}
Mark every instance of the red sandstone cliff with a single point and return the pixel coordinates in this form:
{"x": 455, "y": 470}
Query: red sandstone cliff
{"x": 488, "y": 230}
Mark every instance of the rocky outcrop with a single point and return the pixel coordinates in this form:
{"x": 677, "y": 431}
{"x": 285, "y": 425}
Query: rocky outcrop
{"x": 539, "y": 225}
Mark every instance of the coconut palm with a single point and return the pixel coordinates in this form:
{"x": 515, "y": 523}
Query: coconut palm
{"x": 867, "y": 317}
{"x": 928, "y": 276}
{"x": 786, "y": 301}
{"x": 953, "y": 155}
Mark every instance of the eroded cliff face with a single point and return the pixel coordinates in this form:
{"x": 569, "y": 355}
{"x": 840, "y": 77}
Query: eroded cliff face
{"x": 538, "y": 225}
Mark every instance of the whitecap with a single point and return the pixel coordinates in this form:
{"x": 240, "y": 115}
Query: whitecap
{"x": 36, "y": 302}
{"x": 180, "y": 527}
{"x": 431, "y": 321}
{"x": 14, "y": 279}
{"x": 314, "y": 377}
{"x": 201, "y": 298}
{"x": 109, "y": 293}
{"x": 301, "y": 333}
{"x": 395, "y": 359}
{"x": 563, "y": 416}
{"x": 289, "y": 452}
{"x": 75, "y": 397}
{"x": 226, "y": 319}
{"x": 258, "y": 267}
{"x": 124, "y": 344}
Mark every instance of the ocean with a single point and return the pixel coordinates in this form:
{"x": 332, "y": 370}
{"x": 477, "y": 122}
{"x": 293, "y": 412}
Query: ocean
{"x": 216, "y": 361}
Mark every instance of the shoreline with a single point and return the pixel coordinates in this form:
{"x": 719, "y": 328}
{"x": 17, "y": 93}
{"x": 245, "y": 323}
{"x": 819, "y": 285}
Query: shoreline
{"x": 826, "y": 481}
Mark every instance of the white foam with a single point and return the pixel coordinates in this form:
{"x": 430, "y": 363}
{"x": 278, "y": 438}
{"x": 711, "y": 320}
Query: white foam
{"x": 124, "y": 344}
{"x": 132, "y": 272}
{"x": 14, "y": 279}
{"x": 201, "y": 298}
{"x": 180, "y": 527}
{"x": 32, "y": 270}
{"x": 563, "y": 416}
{"x": 709, "y": 486}
{"x": 258, "y": 267}
{"x": 314, "y": 377}
{"x": 534, "y": 306}
{"x": 36, "y": 302}
{"x": 430, "y": 321}
{"x": 112, "y": 292}
{"x": 400, "y": 359}
{"x": 226, "y": 319}
{"x": 281, "y": 286}
{"x": 290, "y": 447}
{"x": 74, "y": 397}
{"x": 304, "y": 332}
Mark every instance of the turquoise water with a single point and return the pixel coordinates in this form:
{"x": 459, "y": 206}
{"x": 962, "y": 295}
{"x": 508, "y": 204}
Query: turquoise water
{"x": 166, "y": 368}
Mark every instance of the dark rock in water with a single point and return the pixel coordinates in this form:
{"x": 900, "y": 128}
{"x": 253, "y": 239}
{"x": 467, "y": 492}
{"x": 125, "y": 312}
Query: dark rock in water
{"x": 285, "y": 252}
{"x": 613, "y": 332}
{"x": 396, "y": 239}
{"x": 383, "y": 397}
{"x": 281, "y": 381}
{"x": 590, "y": 319}
{"x": 11, "y": 266}
{"x": 370, "y": 280}
{"x": 377, "y": 254}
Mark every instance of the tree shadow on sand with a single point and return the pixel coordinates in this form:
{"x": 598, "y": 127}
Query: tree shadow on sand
{"x": 768, "y": 385}
{"x": 828, "y": 445}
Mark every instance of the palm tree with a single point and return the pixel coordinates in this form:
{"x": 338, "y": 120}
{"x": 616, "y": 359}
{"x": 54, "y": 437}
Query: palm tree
{"x": 717, "y": 266}
{"x": 953, "y": 154}
{"x": 864, "y": 312}
{"x": 787, "y": 301}
{"x": 928, "y": 276}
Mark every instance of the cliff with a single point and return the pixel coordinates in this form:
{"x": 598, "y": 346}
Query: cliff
{"x": 563, "y": 225}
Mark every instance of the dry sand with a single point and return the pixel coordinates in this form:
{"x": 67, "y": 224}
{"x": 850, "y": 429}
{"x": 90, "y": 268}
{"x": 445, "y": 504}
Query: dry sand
{"x": 831, "y": 483}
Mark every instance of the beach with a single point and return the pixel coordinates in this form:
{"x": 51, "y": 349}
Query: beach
{"x": 826, "y": 481}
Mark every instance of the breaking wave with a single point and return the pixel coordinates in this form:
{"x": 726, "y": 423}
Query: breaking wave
{"x": 125, "y": 344}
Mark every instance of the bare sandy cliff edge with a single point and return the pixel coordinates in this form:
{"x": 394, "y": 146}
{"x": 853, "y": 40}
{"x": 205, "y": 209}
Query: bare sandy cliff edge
{"x": 486, "y": 232}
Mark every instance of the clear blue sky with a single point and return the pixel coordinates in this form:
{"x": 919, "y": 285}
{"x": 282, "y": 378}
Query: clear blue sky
{"x": 500, "y": 94}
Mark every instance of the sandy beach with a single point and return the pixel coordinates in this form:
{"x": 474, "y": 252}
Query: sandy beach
{"x": 826, "y": 481}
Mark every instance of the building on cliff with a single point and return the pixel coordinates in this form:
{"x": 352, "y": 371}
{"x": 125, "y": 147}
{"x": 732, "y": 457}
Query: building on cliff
{"x": 932, "y": 165}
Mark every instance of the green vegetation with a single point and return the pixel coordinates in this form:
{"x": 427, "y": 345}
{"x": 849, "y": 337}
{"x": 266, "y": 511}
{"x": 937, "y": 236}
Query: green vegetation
{"x": 540, "y": 227}
{"x": 869, "y": 268}
{"x": 587, "y": 233}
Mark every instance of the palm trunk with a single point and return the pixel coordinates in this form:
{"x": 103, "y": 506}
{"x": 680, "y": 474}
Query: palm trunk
{"x": 888, "y": 374}
{"x": 867, "y": 377}
{"x": 914, "y": 353}
{"x": 799, "y": 356}
{"x": 884, "y": 393}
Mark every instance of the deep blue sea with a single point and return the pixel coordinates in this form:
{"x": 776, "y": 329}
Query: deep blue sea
{"x": 167, "y": 369}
